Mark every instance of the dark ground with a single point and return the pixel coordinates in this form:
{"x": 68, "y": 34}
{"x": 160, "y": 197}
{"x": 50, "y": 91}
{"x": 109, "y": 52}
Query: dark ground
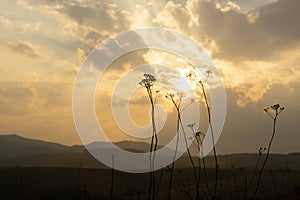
{"x": 79, "y": 183}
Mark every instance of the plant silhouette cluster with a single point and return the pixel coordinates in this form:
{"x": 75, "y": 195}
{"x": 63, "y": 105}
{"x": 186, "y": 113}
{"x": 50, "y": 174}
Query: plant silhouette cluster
{"x": 198, "y": 140}
{"x": 147, "y": 83}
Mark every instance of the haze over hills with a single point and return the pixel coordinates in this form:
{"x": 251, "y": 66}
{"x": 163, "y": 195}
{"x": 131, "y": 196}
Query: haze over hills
{"x": 14, "y": 145}
{"x": 16, "y": 150}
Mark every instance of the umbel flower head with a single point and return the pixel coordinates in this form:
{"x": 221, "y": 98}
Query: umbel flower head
{"x": 191, "y": 125}
{"x": 274, "y": 110}
{"x": 170, "y": 95}
{"x": 175, "y": 96}
{"x": 148, "y": 81}
{"x": 199, "y": 134}
{"x": 261, "y": 150}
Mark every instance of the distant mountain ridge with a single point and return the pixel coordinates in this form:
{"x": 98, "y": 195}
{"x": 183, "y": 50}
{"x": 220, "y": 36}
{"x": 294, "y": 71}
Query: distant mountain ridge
{"x": 16, "y": 150}
{"x": 14, "y": 145}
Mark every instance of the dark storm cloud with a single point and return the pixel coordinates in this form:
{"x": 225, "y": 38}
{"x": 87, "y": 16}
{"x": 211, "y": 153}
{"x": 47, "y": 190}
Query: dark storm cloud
{"x": 276, "y": 28}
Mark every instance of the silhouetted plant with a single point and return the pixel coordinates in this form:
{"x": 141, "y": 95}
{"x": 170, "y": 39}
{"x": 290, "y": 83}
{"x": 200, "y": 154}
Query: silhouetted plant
{"x": 260, "y": 151}
{"x": 199, "y": 138}
{"x": 200, "y": 84}
{"x": 112, "y": 178}
{"x": 273, "y": 112}
{"x": 176, "y": 101}
{"x": 147, "y": 83}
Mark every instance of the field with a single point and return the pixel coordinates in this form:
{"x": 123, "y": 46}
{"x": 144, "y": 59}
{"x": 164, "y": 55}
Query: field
{"x": 79, "y": 183}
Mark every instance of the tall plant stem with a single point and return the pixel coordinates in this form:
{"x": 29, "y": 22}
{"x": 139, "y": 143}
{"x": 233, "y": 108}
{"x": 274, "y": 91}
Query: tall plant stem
{"x": 150, "y": 153}
{"x": 198, "y": 147}
{"x": 112, "y": 178}
{"x": 190, "y": 157}
{"x": 213, "y": 138}
{"x": 199, "y": 168}
{"x": 175, "y": 153}
{"x": 253, "y": 175}
{"x": 153, "y": 147}
{"x": 267, "y": 156}
{"x": 147, "y": 83}
{"x": 205, "y": 172}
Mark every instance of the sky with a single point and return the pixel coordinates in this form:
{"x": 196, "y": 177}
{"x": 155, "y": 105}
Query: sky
{"x": 255, "y": 46}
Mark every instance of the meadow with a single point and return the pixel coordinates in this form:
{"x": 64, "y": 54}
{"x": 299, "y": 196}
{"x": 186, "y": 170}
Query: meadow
{"x": 82, "y": 183}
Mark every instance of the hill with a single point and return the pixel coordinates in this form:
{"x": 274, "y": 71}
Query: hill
{"x": 14, "y": 145}
{"x": 16, "y": 150}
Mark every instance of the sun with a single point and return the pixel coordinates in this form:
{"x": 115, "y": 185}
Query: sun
{"x": 183, "y": 82}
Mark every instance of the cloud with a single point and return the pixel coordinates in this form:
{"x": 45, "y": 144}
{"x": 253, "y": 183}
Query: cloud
{"x": 236, "y": 39}
{"x": 171, "y": 14}
{"x": 97, "y": 21}
{"x": 5, "y": 21}
{"x": 252, "y": 80}
{"x": 254, "y": 50}
{"x": 246, "y": 5}
{"x": 88, "y": 23}
{"x": 228, "y": 7}
{"x": 24, "y": 48}
{"x": 232, "y": 34}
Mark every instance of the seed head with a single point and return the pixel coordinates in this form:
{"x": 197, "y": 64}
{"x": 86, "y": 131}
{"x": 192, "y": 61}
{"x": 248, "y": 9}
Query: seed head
{"x": 148, "y": 81}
